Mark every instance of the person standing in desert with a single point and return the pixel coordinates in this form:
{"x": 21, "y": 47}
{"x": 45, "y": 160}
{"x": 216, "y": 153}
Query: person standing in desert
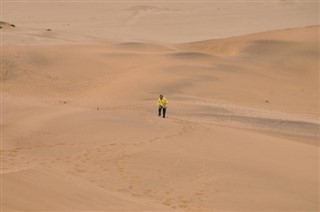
{"x": 162, "y": 103}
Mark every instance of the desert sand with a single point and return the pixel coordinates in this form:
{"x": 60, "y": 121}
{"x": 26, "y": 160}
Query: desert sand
{"x": 79, "y": 123}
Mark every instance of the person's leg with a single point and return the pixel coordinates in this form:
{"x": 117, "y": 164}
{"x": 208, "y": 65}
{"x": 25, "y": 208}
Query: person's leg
{"x": 159, "y": 110}
{"x": 164, "y": 112}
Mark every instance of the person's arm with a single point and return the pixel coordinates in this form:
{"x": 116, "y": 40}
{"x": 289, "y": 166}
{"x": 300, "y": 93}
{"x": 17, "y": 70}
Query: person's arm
{"x": 165, "y": 102}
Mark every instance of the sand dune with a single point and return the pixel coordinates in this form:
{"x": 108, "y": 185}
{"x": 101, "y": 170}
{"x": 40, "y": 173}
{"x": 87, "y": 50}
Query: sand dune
{"x": 242, "y": 131}
{"x": 80, "y": 130}
{"x": 282, "y": 72}
{"x": 150, "y": 21}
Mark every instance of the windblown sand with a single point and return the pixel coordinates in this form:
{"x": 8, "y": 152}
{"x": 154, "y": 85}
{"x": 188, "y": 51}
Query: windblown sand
{"x": 80, "y": 131}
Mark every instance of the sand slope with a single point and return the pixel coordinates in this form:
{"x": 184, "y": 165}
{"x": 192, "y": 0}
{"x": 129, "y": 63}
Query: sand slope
{"x": 40, "y": 190}
{"x": 80, "y": 129}
{"x": 79, "y": 124}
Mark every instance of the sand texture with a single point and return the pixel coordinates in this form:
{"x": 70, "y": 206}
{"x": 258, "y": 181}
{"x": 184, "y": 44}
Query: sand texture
{"x": 79, "y": 123}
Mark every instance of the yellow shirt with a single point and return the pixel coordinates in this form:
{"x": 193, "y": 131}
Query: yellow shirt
{"x": 162, "y": 102}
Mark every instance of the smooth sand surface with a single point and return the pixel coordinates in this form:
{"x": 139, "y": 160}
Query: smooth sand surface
{"x": 80, "y": 130}
{"x": 150, "y": 21}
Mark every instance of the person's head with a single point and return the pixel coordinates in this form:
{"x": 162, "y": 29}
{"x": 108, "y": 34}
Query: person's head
{"x": 161, "y": 96}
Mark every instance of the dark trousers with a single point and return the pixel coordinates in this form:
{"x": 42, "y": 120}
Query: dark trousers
{"x": 164, "y": 110}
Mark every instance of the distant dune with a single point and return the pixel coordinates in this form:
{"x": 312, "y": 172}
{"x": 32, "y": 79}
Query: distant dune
{"x": 131, "y": 21}
{"x": 80, "y": 129}
{"x": 257, "y": 62}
